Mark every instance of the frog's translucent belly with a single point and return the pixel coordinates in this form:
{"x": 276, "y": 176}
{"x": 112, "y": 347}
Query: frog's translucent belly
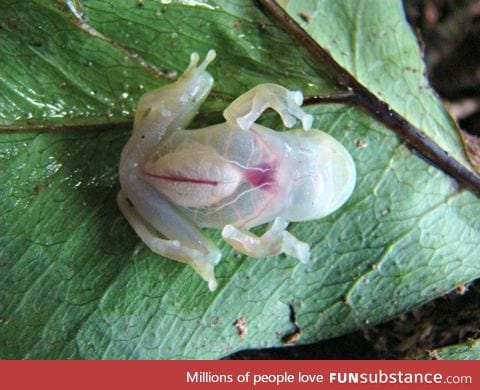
{"x": 225, "y": 176}
{"x": 222, "y": 176}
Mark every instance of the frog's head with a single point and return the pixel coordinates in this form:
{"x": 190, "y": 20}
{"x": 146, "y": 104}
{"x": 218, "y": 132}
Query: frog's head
{"x": 176, "y": 104}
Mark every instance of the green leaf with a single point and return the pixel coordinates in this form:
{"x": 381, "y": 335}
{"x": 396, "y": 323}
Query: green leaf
{"x": 76, "y": 282}
{"x": 466, "y": 351}
{"x": 58, "y": 69}
{"x": 372, "y": 40}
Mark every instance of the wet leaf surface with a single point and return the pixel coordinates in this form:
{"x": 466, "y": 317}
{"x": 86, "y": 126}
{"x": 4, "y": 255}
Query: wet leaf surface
{"x": 75, "y": 280}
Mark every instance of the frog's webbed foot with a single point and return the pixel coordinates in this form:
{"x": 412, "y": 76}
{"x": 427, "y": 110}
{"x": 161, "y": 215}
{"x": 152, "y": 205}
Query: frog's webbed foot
{"x": 246, "y": 109}
{"x": 202, "y": 263}
{"x": 274, "y": 241}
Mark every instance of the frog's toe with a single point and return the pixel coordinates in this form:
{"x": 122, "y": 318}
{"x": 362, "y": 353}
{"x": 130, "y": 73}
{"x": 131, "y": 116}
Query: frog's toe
{"x": 194, "y": 67}
{"x": 206, "y": 271}
{"x": 208, "y": 58}
{"x": 194, "y": 58}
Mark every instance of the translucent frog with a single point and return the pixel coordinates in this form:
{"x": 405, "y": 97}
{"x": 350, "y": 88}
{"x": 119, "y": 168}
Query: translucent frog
{"x": 231, "y": 176}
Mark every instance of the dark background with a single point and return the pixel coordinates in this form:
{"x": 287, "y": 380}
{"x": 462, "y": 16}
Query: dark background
{"x": 449, "y": 34}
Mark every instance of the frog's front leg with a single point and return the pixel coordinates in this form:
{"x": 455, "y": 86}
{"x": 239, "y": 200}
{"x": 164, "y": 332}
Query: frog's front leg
{"x": 246, "y": 109}
{"x": 184, "y": 243}
{"x": 274, "y": 241}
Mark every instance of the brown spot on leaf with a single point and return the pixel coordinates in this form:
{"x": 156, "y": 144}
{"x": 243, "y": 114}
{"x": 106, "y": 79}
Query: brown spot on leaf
{"x": 291, "y": 338}
{"x": 306, "y": 16}
{"x": 412, "y": 69}
{"x": 461, "y": 289}
{"x": 361, "y": 144}
{"x": 241, "y": 326}
{"x": 262, "y": 26}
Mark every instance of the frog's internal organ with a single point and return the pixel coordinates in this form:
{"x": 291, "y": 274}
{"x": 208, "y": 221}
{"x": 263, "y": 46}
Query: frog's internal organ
{"x": 231, "y": 176}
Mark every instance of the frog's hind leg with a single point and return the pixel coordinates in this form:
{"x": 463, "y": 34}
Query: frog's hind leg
{"x": 274, "y": 241}
{"x": 246, "y": 109}
{"x": 172, "y": 249}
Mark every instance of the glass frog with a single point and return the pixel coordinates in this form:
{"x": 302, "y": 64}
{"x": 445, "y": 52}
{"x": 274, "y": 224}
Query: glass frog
{"x": 231, "y": 176}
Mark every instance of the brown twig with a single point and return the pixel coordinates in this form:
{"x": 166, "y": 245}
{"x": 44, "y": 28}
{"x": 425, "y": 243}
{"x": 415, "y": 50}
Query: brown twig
{"x": 346, "y": 98}
{"x": 74, "y": 126}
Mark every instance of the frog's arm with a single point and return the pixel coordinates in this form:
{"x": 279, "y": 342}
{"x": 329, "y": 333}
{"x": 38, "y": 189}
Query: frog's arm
{"x": 274, "y": 241}
{"x": 246, "y": 109}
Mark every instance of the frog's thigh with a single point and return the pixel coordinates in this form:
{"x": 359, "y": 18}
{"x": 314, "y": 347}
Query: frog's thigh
{"x": 246, "y": 109}
{"x": 172, "y": 249}
{"x": 274, "y": 241}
